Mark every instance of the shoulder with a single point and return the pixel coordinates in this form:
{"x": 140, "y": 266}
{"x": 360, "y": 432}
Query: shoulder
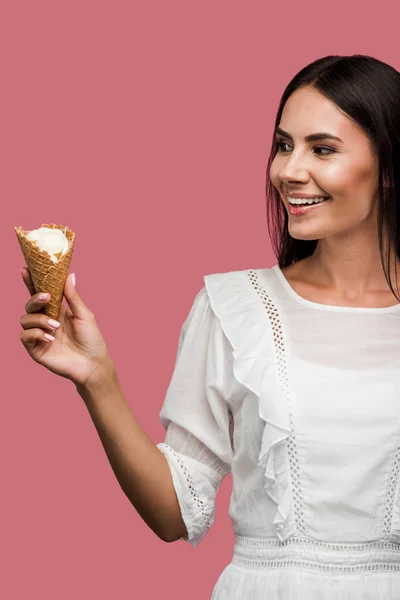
{"x": 235, "y": 277}
{"x": 230, "y": 286}
{"x": 235, "y": 297}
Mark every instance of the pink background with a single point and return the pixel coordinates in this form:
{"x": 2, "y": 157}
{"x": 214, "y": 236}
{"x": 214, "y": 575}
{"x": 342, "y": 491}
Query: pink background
{"x": 146, "y": 128}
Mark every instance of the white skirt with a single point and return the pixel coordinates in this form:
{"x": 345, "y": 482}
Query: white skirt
{"x": 301, "y": 569}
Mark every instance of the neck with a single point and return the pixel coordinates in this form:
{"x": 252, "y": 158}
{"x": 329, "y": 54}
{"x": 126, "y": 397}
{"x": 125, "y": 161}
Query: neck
{"x": 353, "y": 272}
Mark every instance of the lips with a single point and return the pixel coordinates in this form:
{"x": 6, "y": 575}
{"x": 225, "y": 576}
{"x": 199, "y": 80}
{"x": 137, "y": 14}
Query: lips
{"x": 298, "y": 210}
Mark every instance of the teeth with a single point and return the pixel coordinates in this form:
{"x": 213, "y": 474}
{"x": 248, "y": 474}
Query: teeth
{"x": 292, "y": 200}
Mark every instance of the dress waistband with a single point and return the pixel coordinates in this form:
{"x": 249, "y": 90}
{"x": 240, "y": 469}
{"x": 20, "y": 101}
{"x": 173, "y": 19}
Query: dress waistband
{"x": 270, "y": 553}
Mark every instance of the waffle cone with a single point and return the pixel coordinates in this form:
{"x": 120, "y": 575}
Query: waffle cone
{"x": 46, "y": 275}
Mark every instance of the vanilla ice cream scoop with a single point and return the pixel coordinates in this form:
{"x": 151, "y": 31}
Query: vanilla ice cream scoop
{"x": 52, "y": 241}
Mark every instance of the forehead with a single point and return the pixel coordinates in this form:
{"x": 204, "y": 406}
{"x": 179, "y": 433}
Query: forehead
{"x": 307, "y": 111}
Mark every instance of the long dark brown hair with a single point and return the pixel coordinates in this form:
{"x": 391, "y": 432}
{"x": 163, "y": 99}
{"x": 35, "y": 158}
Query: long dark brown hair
{"x": 368, "y": 91}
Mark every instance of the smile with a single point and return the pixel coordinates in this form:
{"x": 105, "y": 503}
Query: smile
{"x": 301, "y": 209}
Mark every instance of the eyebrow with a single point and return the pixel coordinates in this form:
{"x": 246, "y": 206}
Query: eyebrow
{"x": 312, "y": 137}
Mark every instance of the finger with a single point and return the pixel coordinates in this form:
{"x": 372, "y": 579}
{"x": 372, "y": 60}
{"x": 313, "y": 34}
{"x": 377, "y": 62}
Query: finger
{"x": 75, "y": 302}
{"x": 27, "y": 279}
{"x": 30, "y": 321}
{"x": 31, "y": 337}
{"x": 36, "y": 302}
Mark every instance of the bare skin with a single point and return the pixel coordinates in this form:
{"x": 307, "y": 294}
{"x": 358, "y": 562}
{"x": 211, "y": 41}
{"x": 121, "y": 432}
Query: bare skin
{"x": 78, "y": 352}
{"x": 345, "y": 269}
{"x": 306, "y": 284}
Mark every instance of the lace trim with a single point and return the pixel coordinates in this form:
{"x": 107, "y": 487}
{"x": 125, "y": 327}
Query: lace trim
{"x": 315, "y": 544}
{"x": 368, "y": 563}
{"x": 290, "y": 563}
{"x": 273, "y": 315}
{"x": 206, "y": 514}
{"x": 387, "y": 522}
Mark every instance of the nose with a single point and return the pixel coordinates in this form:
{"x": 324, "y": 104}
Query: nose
{"x": 294, "y": 168}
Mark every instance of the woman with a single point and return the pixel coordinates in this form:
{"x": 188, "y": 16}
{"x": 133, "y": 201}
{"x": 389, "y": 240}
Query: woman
{"x": 287, "y": 377}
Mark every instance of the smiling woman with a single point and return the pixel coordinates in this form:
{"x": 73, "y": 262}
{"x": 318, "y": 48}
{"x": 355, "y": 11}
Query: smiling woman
{"x": 337, "y": 137}
{"x": 295, "y": 385}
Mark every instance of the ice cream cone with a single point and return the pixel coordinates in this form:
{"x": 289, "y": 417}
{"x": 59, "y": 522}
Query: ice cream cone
{"x": 46, "y": 275}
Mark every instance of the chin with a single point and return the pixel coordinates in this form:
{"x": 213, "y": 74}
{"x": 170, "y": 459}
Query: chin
{"x": 305, "y": 235}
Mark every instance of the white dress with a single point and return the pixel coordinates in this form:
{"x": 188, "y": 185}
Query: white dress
{"x": 300, "y": 402}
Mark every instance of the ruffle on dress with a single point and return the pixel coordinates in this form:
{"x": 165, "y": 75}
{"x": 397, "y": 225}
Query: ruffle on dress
{"x": 246, "y": 324}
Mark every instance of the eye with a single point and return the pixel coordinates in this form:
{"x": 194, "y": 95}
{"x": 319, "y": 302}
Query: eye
{"x": 279, "y": 144}
{"x": 328, "y": 150}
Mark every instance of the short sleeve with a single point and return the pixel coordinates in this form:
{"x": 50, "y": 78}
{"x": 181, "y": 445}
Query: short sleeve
{"x": 195, "y": 414}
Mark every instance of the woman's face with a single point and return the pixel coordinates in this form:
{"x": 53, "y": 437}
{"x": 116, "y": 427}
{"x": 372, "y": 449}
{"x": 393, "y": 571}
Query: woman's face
{"x": 345, "y": 170}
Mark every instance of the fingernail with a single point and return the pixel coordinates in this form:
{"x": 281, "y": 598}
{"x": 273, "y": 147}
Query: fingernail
{"x": 53, "y": 323}
{"x": 73, "y": 279}
{"x": 43, "y": 296}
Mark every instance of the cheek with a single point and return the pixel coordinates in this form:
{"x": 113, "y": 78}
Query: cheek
{"x": 338, "y": 179}
{"x": 333, "y": 181}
